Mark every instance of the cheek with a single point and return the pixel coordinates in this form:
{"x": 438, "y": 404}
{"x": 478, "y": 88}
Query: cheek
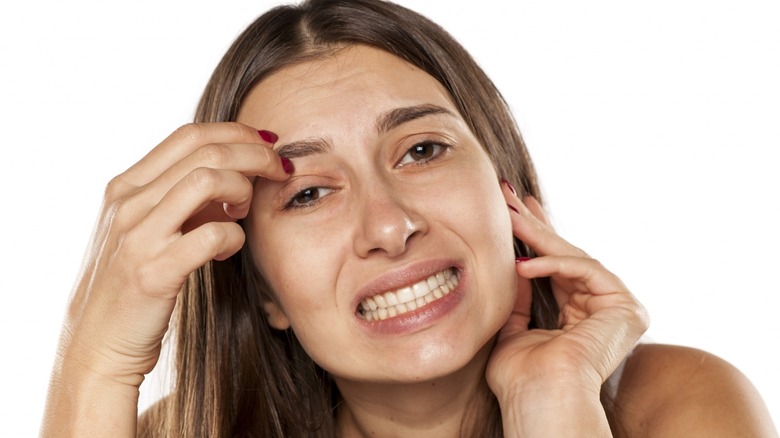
{"x": 486, "y": 227}
{"x": 480, "y": 207}
{"x": 298, "y": 263}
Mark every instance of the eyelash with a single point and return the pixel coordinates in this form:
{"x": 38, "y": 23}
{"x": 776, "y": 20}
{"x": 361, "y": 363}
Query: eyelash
{"x": 442, "y": 148}
{"x": 310, "y": 191}
{"x": 291, "y": 204}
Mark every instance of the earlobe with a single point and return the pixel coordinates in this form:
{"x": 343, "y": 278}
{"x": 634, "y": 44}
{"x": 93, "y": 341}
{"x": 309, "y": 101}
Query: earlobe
{"x": 276, "y": 316}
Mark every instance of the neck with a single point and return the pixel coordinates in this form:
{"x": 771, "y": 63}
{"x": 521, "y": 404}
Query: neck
{"x": 440, "y": 407}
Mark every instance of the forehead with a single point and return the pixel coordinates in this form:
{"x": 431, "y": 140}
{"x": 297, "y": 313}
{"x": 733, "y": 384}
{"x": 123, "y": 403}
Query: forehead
{"x": 350, "y": 87}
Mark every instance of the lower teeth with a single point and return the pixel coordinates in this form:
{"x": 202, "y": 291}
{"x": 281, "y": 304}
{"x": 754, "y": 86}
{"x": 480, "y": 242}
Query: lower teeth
{"x": 382, "y": 313}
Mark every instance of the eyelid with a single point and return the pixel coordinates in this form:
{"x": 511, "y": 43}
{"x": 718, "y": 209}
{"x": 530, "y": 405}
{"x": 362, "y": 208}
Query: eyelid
{"x": 290, "y": 203}
{"x": 443, "y": 145}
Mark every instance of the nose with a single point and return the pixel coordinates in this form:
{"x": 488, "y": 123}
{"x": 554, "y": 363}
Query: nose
{"x": 386, "y": 225}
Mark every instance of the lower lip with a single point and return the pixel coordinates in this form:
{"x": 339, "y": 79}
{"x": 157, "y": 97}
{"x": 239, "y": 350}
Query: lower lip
{"x": 421, "y": 318}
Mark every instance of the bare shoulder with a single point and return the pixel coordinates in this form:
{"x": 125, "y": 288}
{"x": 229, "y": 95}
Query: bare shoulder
{"x": 667, "y": 391}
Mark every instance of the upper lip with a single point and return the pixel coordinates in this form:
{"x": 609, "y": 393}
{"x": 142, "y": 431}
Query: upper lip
{"x": 401, "y": 277}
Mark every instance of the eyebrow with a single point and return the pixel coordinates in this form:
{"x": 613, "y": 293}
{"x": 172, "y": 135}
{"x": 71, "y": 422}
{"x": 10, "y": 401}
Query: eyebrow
{"x": 384, "y": 123}
{"x": 304, "y": 148}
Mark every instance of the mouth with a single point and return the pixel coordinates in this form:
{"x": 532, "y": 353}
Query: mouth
{"x": 410, "y": 298}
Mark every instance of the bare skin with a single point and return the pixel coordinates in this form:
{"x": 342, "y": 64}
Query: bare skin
{"x": 676, "y": 391}
{"x": 385, "y": 203}
{"x": 161, "y": 219}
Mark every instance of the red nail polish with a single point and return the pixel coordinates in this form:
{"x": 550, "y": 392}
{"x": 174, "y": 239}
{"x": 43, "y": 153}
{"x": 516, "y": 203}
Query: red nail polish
{"x": 287, "y": 165}
{"x": 508, "y": 184}
{"x": 522, "y": 259}
{"x": 268, "y": 136}
{"x": 513, "y": 209}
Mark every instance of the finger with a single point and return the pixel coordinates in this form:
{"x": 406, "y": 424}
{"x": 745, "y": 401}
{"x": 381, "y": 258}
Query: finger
{"x": 193, "y": 193}
{"x": 213, "y": 212}
{"x": 584, "y": 285}
{"x": 583, "y": 273}
{"x": 210, "y": 241}
{"x": 536, "y": 209}
{"x": 521, "y": 312}
{"x": 249, "y": 159}
{"x": 535, "y": 232}
{"x": 592, "y": 295}
{"x": 524, "y": 293}
{"x": 183, "y": 142}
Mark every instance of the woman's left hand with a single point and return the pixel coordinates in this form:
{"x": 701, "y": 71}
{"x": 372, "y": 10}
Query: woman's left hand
{"x": 600, "y": 321}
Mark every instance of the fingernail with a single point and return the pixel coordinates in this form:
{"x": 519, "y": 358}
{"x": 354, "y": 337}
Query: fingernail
{"x": 522, "y": 259}
{"x": 287, "y": 165}
{"x": 513, "y": 209}
{"x": 268, "y": 136}
{"x": 508, "y": 184}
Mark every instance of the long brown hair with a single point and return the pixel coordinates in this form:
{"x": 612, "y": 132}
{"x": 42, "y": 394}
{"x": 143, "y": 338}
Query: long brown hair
{"x": 235, "y": 376}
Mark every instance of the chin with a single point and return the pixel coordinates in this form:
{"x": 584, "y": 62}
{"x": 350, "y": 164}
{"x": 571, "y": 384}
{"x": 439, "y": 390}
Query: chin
{"x": 433, "y": 361}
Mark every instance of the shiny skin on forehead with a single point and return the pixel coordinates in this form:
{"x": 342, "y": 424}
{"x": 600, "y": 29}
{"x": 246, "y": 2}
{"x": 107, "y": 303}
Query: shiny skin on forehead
{"x": 358, "y": 82}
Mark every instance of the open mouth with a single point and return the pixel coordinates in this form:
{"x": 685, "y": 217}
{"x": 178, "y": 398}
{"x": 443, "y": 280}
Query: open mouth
{"x": 408, "y": 299}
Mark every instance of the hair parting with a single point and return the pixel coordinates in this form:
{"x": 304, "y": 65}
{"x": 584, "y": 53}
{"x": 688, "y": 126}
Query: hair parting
{"x": 234, "y": 374}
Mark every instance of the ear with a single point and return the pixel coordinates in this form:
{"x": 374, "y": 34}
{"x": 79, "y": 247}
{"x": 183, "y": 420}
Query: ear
{"x": 536, "y": 209}
{"x": 276, "y": 316}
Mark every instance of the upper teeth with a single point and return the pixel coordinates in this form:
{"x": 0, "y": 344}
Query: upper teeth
{"x": 407, "y": 299}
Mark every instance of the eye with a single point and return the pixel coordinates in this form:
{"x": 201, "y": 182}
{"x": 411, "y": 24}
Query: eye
{"x": 308, "y": 197}
{"x": 422, "y": 153}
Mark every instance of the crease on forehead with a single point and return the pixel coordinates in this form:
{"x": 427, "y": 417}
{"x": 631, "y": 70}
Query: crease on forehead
{"x": 338, "y": 60}
{"x": 343, "y": 65}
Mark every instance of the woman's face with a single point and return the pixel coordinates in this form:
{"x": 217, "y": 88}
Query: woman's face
{"x": 389, "y": 250}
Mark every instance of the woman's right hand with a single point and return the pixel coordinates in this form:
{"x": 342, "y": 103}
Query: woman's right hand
{"x": 164, "y": 217}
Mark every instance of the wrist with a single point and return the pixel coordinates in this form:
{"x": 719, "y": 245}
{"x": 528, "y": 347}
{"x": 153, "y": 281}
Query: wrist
{"x": 84, "y": 402}
{"x": 540, "y": 384}
{"x": 81, "y": 361}
{"x": 553, "y": 409}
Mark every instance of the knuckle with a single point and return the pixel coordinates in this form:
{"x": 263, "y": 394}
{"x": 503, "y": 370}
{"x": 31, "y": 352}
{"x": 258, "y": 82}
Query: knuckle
{"x": 190, "y": 133}
{"x": 116, "y": 188}
{"x": 596, "y": 264}
{"x": 203, "y": 178}
{"x": 635, "y": 316}
{"x": 239, "y": 130}
{"x": 213, "y": 155}
{"x": 643, "y": 318}
{"x": 123, "y": 212}
{"x": 270, "y": 158}
{"x": 268, "y": 155}
{"x": 112, "y": 189}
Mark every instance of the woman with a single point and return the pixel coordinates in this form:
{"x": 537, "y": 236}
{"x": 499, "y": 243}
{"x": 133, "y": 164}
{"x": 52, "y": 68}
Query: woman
{"x": 376, "y": 272}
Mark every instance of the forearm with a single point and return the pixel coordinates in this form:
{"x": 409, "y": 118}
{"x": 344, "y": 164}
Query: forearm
{"x": 558, "y": 412}
{"x": 83, "y": 403}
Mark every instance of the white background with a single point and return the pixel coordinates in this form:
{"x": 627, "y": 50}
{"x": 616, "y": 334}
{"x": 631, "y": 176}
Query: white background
{"x": 654, "y": 126}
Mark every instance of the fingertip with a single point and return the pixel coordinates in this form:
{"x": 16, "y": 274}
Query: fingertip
{"x": 268, "y": 136}
{"x": 509, "y": 185}
{"x": 287, "y": 165}
{"x": 233, "y": 243}
{"x": 236, "y": 211}
{"x": 525, "y": 267}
